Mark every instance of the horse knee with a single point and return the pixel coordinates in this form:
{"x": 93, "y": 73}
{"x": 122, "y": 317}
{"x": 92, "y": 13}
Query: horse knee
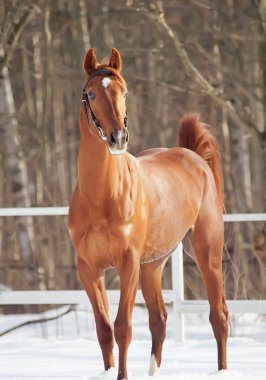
{"x": 105, "y": 334}
{"x": 123, "y": 331}
{"x": 218, "y": 319}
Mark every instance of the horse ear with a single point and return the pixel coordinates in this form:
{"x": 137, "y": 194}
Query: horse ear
{"x": 115, "y": 60}
{"x": 90, "y": 62}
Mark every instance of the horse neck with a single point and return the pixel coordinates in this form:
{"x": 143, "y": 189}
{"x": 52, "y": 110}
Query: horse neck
{"x": 100, "y": 175}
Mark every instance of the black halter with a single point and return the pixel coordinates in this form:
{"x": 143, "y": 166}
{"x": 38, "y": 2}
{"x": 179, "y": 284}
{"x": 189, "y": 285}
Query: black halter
{"x": 86, "y": 100}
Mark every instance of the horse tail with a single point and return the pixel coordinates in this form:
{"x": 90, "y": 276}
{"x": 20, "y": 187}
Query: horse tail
{"x": 197, "y": 136}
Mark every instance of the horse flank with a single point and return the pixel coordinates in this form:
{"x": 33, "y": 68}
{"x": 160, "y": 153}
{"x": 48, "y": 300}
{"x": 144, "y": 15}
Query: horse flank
{"x": 197, "y": 137}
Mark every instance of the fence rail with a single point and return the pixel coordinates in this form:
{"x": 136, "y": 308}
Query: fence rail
{"x": 173, "y": 296}
{"x": 75, "y": 297}
{"x": 57, "y": 211}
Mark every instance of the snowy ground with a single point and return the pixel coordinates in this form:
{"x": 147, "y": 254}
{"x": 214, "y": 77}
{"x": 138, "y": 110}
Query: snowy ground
{"x": 67, "y": 349}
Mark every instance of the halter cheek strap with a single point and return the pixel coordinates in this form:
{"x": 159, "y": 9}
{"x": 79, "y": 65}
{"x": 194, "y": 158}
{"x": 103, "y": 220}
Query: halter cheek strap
{"x": 86, "y": 100}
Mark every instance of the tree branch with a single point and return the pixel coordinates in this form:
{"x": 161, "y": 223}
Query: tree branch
{"x": 158, "y": 82}
{"x": 34, "y": 321}
{"x": 157, "y": 15}
{"x": 14, "y": 34}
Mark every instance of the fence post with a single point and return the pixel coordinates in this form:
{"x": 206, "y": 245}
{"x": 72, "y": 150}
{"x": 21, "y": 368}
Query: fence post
{"x": 178, "y": 293}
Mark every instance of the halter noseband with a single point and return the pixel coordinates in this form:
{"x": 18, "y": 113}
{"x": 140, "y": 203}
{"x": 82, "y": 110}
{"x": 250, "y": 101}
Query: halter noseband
{"x": 86, "y": 100}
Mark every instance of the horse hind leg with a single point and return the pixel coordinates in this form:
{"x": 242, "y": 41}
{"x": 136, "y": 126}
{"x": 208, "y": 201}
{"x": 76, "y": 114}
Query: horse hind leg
{"x": 151, "y": 275}
{"x": 208, "y": 248}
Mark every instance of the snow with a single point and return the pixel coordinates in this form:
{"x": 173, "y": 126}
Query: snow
{"x": 67, "y": 348}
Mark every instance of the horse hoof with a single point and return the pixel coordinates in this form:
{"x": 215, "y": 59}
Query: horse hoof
{"x": 110, "y": 374}
{"x": 153, "y": 366}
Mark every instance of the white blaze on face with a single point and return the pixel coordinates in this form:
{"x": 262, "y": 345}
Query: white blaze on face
{"x": 120, "y": 134}
{"x": 106, "y": 81}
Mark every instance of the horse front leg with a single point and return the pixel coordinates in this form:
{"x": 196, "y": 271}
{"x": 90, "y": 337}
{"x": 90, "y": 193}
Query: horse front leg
{"x": 93, "y": 282}
{"x": 128, "y": 271}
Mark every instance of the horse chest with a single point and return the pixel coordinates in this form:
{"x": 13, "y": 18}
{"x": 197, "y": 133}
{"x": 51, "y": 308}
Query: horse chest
{"x": 112, "y": 210}
{"x": 103, "y": 245}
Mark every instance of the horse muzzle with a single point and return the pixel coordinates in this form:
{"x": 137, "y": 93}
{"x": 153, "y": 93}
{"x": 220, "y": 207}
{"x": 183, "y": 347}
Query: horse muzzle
{"x": 118, "y": 142}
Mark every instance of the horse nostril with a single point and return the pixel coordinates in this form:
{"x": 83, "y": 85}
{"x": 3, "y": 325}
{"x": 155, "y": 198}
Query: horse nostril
{"x": 127, "y": 136}
{"x": 125, "y": 121}
{"x": 112, "y": 137}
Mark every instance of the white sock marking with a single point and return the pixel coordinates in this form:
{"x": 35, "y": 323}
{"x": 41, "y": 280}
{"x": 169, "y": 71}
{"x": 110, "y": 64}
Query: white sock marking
{"x": 153, "y": 366}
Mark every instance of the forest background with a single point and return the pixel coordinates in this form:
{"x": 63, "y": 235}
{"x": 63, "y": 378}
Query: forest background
{"x": 207, "y": 56}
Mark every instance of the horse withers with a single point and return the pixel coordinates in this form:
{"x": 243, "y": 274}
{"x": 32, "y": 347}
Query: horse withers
{"x": 131, "y": 212}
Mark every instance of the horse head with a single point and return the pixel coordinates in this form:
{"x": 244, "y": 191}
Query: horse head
{"x": 104, "y": 100}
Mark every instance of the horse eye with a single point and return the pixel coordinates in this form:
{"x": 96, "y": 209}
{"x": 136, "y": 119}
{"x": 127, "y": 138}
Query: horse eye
{"x": 92, "y": 96}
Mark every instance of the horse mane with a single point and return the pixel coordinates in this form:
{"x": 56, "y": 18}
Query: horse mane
{"x": 197, "y": 136}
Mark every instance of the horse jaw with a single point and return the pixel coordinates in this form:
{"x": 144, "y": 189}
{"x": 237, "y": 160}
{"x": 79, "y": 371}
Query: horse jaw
{"x": 116, "y": 152}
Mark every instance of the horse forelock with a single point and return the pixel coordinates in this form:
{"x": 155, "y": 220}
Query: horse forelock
{"x": 115, "y": 73}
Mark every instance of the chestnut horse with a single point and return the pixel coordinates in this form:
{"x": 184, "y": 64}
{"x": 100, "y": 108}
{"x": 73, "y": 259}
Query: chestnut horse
{"x": 130, "y": 213}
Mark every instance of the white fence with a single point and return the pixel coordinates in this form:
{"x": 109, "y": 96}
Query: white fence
{"x": 173, "y": 296}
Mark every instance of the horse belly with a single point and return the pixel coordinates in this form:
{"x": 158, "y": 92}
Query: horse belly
{"x": 167, "y": 227}
{"x": 159, "y": 245}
